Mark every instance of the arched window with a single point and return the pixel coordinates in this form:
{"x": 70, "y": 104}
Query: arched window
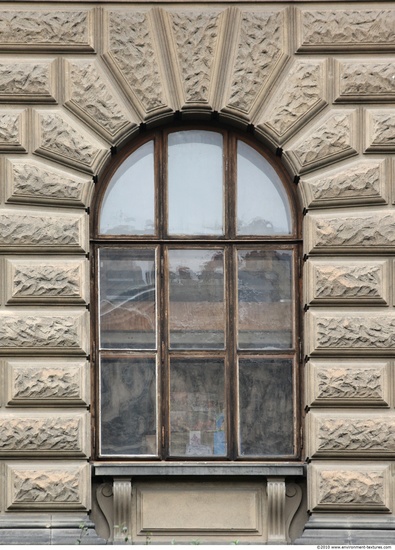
{"x": 196, "y": 247}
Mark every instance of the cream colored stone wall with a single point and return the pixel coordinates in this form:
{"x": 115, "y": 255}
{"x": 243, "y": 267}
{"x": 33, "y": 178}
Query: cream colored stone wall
{"x": 316, "y": 82}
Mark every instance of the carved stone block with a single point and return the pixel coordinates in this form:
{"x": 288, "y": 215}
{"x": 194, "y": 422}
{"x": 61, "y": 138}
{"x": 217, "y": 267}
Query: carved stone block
{"x": 41, "y": 435}
{"x": 350, "y": 434}
{"x": 345, "y": 29}
{"x": 59, "y": 138}
{"x": 355, "y": 486}
{"x": 90, "y": 96}
{"x": 368, "y": 80}
{"x": 347, "y": 282}
{"x": 361, "y": 182}
{"x": 46, "y": 280}
{"x": 32, "y": 81}
{"x": 13, "y": 134}
{"x": 380, "y": 130}
{"x": 28, "y": 181}
{"x": 46, "y": 30}
{"x": 331, "y": 139}
{"x": 47, "y": 486}
{"x": 47, "y": 230}
{"x": 350, "y": 232}
{"x": 349, "y": 383}
{"x": 56, "y": 331}
{"x": 47, "y": 382}
{"x": 344, "y": 333}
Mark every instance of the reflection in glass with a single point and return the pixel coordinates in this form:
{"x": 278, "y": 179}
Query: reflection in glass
{"x": 195, "y": 177}
{"x": 127, "y": 298}
{"x": 197, "y": 408}
{"x": 128, "y": 406}
{"x": 265, "y": 407}
{"x": 262, "y": 205}
{"x": 265, "y": 299}
{"x": 196, "y": 311}
{"x": 128, "y": 206}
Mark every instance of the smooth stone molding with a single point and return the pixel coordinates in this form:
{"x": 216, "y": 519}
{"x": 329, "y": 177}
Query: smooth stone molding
{"x": 46, "y": 382}
{"x": 333, "y": 138}
{"x": 41, "y": 231}
{"x": 46, "y": 280}
{"x": 361, "y": 182}
{"x": 380, "y": 130}
{"x": 347, "y": 282}
{"x": 89, "y": 94}
{"x": 28, "y": 81}
{"x": 350, "y": 486}
{"x": 351, "y": 434}
{"x": 349, "y": 383}
{"x": 26, "y": 331}
{"x": 31, "y": 182}
{"x": 364, "y": 80}
{"x": 337, "y": 29}
{"x": 368, "y": 332}
{"x": 46, "y": 30}
{"x": 13, "y": 132}
{"x": 39, "y": 485}
{"x": 44, "y": 434}
{"x": 369, "y": 231}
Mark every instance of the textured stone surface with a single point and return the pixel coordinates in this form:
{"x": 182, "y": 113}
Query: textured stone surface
{"x": 346, "y": 29}
{"x": 34, "y": 182}
{"x": 90, "y": 96}
{"x": 46, "y": 280}
{"x": 358, "y": 182}
{"x": 380, "y": 134}
{"x": 365, "y": 80}
{"x": 12, "y": 130}
{"x": 347, "y": 282}
{"x": 26, "y": 81}
{"x": 42, "y": 230}
{"x": 47, "y": 486}
{"x": 351, "y": 231}
{"x": 46, "y": 30}
{"x": 47, "y": 382}
{"x": 332, "y": 139}
{"x": 50, "y": 332}
{"x": 42, "y": 435}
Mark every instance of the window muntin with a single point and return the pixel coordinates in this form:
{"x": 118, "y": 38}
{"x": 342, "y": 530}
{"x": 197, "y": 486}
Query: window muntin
{"x": 207, "y": 308}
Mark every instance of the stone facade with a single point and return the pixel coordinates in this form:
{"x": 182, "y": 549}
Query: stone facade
{"x": 314, "y": 84}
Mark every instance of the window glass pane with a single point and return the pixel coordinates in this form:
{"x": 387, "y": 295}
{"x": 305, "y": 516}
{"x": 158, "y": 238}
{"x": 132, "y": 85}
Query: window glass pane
{"x": 195, "y": 176}
{"x": 128, "y": 206}
{"x": 128, "y": 406}
{"x": 262, "y": 204}
{"x": 265, "y": 407}
{"x": 196, "y": 312}
{"x": 197, "y": 408}
{"x": 265, "y": 299}
{"x": 127, "y": 299}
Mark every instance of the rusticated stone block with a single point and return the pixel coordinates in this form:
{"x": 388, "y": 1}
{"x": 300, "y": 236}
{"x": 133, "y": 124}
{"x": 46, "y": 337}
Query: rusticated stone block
{"x": 22, "y": 81}
{"x": 330, "y": 140}
{"x": 358, "y": 182}
{"x": 345, "y": 29}
{"x": 61, "y": 139}
{"x": 369, "y": 231}
{"x": 347, "y": 281}
{"x": 294, "y": 105}
{"x": 380, "y": 130}
{"x": 31, "y": 182}
{"x": 47, "y": 230}
{"x": 13, "y": 130}
{"x": 355, "y": 486}
{"x": 350, "y": 435}
{"x": 349, "y": 383}
{"x": 361, "y": 332}
{"x": 39, "y": 434}
{"x": 49, "y": 30}
{"x": 46, "y": 280}
{"x": 47, "y": 382}
{"x": 90, "y": 96}
{"x": 57, "y": 332}
{"x": 371, "y": 80}
{"x": 50, "y": 486}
